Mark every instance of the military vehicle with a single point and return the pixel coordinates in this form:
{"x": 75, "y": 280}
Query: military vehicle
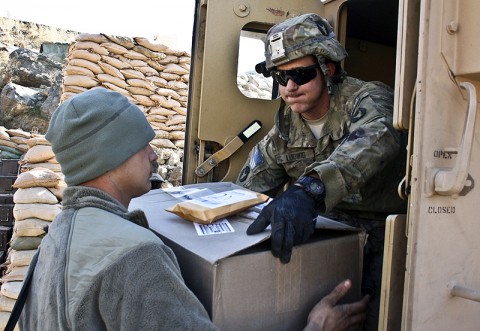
{"x": 427, "y": 51}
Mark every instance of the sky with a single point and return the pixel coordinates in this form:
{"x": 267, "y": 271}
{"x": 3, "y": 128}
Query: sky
{"x": 168, "y": 21}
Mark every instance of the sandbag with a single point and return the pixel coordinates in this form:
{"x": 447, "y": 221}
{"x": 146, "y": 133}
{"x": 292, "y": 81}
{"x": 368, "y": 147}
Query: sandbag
{"x": 158, "y": 81}
{"x": 79, "y": 80}
{"x": 4, "y": 135}
{"x": 95, "y": 68}
{"x": 25, "y": 243}
{"x": 114, "y": 48}
{"x": 76, "y": 70}
{"x": 21, "y": 258}
{"x": 162, "y": 143}
{"x": 141, "y": 83}
{"x": 43, "y": 211}
{"x": 97, "y": 38}
{"x": 58, "y": 190}
{"x": 132, "y": 73}
{"x": 157, "y": 47}
{"x": 55, "y": 167}
{"x": 37, "y": 194}
{"x": 134, "y": 55}
{"x": 140, "y": 91}
{"x": 84, "y": 54}
{"x": 105, "y": 78}
{"x": 147, "y": 71}
{"x": 116, "y": 88}
{"x": 74, "y": 89}
{"x": 116, "y": 62}
{"x": 6, "y": 303}
{"x": 161, "y": 111}
{"x": 39, "y": 153}
{"x": 167, "y": 93}
{"x": 11, "y": 289}
{"x": 19, "y": 133}
{"x": 126, "y": 42}
{"x": 111, "y": 70}
{"x": 37, "y": 140}
{"x": 92, "y": 47}
{"x": 175, "y": 69}
{"x": 37, "y": 177}
{"x": 144, "y": 100}
{"x": 30, "y": 227}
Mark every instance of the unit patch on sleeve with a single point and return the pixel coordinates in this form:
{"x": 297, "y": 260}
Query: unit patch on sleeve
{"x": 257, "y": 159}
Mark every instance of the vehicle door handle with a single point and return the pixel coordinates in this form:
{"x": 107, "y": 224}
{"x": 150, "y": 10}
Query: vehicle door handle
{"x": 452, "y": 181}
{"x": 463, "y": 292}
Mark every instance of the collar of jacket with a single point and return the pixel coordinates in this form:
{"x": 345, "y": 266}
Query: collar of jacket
{"x": 76, "y": 197}
{"x": 289, "y": 123}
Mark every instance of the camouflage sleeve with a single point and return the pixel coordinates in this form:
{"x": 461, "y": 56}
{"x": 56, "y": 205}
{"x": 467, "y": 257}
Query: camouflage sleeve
{"x": 261, "y": 173}
{"x": 371, "y": 144}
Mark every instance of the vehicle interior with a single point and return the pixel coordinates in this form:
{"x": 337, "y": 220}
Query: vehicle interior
{"x": 219, "y": 109}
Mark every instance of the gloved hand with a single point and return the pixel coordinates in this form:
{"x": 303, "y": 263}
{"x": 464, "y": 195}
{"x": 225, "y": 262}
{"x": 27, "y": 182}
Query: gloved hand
{"x": 292, "y": 217}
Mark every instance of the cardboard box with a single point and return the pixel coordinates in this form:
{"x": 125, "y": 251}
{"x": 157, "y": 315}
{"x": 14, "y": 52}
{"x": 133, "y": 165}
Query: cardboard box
{"x": 235, "y": 276}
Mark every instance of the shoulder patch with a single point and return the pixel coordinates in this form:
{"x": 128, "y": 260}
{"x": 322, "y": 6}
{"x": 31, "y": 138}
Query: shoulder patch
{"x": 358, "y": 114}
{"x": 257, "y": 159}
{"x": 244, "y": 174}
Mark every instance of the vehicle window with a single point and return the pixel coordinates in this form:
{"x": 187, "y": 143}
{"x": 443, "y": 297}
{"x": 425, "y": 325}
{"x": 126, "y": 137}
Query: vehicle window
{"x": 251, "y": 52}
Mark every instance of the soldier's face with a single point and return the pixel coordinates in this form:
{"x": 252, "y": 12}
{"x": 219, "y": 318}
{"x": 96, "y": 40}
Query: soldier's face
{"x": 310, "y": 99}
{"x": 132, "y": 177}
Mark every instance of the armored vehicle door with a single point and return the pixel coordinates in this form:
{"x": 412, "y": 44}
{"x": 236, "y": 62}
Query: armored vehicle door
{"x": 442, "y": 289}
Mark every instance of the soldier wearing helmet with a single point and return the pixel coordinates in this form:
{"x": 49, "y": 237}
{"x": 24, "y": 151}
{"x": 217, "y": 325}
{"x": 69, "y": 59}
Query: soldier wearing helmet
{"x": 333, "y": 141}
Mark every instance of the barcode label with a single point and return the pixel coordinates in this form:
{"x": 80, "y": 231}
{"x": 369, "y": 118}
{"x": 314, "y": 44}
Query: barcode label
{"x": 217, "y": 227}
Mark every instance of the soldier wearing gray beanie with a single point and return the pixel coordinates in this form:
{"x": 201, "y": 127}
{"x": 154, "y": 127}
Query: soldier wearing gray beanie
{"x": 96, "y": 131}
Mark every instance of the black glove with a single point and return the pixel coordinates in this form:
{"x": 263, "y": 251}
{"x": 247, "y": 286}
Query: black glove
{"x": 292, "y": 216}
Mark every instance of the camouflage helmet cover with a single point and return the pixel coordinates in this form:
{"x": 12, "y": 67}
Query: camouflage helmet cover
{"x": 307, "y": 34}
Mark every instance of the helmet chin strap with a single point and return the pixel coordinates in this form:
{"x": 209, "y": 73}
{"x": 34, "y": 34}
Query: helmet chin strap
{"x": 325, "y": 72}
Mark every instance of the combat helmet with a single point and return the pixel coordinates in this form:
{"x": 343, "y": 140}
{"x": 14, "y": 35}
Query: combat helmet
{"x": 307, "y": 34}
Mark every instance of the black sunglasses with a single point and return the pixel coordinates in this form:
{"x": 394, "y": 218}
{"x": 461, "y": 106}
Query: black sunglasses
{"x": 300, "y": 75}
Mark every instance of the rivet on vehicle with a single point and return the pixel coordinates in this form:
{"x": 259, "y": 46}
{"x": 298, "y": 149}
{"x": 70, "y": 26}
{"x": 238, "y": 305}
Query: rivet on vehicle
{"x": 452, "y": 27}
{"x": 241, "y": 9}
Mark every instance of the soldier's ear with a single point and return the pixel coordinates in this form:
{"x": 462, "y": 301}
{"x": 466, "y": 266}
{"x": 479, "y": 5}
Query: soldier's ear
{"x": 331, "y": 69}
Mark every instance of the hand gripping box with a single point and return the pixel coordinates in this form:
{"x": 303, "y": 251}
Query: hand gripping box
{"x": 235, "y": 276}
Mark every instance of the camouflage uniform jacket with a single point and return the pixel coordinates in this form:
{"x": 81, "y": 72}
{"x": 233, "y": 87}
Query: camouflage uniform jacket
{"x": 359, "y": 156}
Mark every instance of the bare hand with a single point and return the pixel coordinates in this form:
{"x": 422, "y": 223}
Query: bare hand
{"x": 328, "y": 316}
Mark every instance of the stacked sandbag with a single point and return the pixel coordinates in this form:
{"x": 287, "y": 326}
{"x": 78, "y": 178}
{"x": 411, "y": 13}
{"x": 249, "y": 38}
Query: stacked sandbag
{"x": 37, "y": 200}
{"x": 13, "y": 143}
{"x": 255, "y": 86}
{"x": 151, "y": 75}
{"x": 39, "y": 155}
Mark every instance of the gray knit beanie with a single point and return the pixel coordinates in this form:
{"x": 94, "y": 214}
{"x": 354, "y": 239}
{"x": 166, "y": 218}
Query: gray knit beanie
{"x": 96, "y": 131}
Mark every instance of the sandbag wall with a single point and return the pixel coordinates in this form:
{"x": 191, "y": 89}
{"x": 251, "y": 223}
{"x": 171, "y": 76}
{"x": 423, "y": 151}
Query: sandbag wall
{"x": 149, "y": 74}
{"x": 12, "y": 147}
{"x": 12, "y": 143}
{"x": 37, "y": 200}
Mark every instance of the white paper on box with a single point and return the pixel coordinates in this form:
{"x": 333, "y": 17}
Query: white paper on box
{"x": 223, "y": 198}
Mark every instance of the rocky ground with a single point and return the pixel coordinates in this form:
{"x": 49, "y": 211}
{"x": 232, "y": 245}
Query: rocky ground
{"x": 30, "y": 79}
